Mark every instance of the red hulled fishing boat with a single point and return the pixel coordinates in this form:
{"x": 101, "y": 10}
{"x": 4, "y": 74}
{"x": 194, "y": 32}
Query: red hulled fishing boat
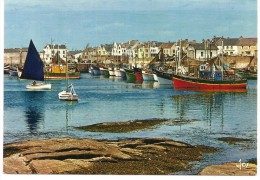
{"x": 210, "y": 80}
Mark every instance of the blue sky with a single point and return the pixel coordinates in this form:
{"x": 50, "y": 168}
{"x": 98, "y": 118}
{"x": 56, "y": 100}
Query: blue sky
{"x": 79, "y": 22}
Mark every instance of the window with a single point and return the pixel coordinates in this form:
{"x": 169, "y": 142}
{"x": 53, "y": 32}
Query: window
{"x": 201, "y": 54}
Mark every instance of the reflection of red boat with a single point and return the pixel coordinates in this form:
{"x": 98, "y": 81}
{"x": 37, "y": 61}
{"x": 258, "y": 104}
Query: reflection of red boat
{"x": 193, "y": 83}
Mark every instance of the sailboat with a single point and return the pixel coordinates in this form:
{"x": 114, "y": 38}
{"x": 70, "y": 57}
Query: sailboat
{"x": 69, "y": 93}
{"x": 34, "y": 69}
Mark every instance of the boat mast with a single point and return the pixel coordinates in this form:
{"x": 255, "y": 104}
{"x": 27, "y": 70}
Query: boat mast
{"x": 67, "y": 83}
{"x": 222, "y": 60}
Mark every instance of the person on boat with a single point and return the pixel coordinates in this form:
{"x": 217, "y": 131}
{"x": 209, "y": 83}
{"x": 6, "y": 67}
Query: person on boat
{"x": 34, "y": 83}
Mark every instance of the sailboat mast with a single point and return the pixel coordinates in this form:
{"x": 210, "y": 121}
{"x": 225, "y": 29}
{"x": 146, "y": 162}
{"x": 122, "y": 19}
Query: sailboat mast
{"x": 67, "y": 83}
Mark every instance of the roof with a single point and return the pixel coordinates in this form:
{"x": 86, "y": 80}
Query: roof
{"x": 166, "y": 45}
{"x": 247, "y": 42}
{"x": 108, "y": 47}
{"x": 229, "y": 42}
{"x": 75, "y": 52}
{"x": 201, "y": 46}
{"x": 15, "y": 50}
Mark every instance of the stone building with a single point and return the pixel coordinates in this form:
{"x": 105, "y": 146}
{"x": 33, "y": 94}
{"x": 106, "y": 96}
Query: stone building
{"x": 15, "y": 56}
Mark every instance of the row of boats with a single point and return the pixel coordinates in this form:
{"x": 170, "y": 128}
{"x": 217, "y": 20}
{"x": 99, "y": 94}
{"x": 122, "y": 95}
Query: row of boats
{"x": 208, "y": 78}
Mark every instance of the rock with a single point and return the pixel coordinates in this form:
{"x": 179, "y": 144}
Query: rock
{"x": 89, "y": 156}
{"x": 230, "y": 168}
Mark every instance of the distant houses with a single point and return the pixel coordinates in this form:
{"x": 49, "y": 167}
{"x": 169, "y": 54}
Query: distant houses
{"x": 133, "y": 50}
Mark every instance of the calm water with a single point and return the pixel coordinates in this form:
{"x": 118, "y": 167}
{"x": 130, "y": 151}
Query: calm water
{"x": 40, "y": 114}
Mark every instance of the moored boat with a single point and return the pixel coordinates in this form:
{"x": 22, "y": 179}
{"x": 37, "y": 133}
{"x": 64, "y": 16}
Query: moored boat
{"x": 68, "y": 94}
{"x": 210, "y": 79}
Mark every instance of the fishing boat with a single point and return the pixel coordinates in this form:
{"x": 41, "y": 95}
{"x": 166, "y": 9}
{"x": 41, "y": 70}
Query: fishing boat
{"x": 34, "y": 69}
{"x": 209, "y": 79}
{"x": 69, "y": 93}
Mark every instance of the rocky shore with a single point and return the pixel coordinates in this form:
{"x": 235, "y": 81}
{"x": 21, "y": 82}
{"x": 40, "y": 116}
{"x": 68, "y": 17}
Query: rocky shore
{"x": 88, "y": 156}
{"x": 144, "y": 156}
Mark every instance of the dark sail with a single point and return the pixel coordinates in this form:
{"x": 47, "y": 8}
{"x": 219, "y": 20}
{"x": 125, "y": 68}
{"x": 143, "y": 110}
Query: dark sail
{"x": 33, "y": 66}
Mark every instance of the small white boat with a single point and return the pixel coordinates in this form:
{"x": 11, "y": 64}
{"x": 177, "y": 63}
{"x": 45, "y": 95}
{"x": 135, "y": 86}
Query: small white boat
{"x": 39, "y": 86}
{"x": 69, "y": 94}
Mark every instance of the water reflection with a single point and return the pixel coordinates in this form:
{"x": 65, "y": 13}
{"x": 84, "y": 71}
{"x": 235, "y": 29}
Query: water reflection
{"x": 33, "y": 117}
{"x": 34, "y": 109}
{"x": 205, "y": 106}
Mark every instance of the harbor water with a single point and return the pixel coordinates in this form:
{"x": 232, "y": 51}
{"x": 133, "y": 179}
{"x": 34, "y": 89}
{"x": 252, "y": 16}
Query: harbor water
{"x": 204, "y": 117}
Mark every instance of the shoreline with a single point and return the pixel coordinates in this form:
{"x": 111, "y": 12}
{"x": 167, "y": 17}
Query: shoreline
{"x": 131, "y": 156}
{"x": 128, "y": 156}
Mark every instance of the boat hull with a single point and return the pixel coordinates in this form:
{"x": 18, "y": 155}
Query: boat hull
{"x": 148, "y": 77}
{"x": 106, "y": 73}
{"x": 182, "y": 82}
{"x": 139, "y": 77}
{"x": 13, "y": 73}
{"x": 71, "y": 75}
{"x": 68, "y": 96}
{"x": 164, "y": 81}
{"x": 123, "y": 74}
{"x": 155, "y": 77}
{"x": 130, "y": 76}
{"x": 164, "y": 78}
{"x": 38, "y": 86}
{"x": 111, "y": 72}
{"x": 117, "y": 73}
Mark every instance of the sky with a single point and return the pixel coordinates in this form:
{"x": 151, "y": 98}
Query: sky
{"x": 77, "y": 23}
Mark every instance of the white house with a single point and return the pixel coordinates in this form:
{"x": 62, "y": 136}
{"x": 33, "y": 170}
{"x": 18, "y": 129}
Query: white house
{"x": 202, "y": 51}
{"x": 230, "y": 46}
{"x": 52, "y": 49}
{"x": 154, "y": 51}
